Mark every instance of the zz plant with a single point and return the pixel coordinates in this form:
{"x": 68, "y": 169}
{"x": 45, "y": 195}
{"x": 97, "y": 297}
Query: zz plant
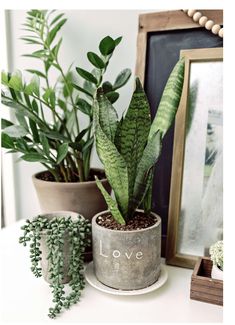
{"x": 47, "y": 114}
{"x": 56, "y": 230}
{"x": 129, "y": 148}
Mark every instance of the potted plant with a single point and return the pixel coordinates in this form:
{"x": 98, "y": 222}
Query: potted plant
{"x": 47, "y": 114}
{"x": 217, "y": 257}
{"x": 58, "y": 241}
{"x": 126, "y": 240}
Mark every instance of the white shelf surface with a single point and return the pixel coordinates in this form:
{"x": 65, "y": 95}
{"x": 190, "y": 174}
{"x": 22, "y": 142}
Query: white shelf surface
{"x": 27, "y": 299}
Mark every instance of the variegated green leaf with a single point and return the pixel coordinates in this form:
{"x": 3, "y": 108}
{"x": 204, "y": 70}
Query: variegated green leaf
{"x": 133, "y": 132}
{"x": 114, "y": 164}
{"x": 169, "y": 101}
{"x": 112, "y": 204}
{"x": 108, "y": 117}
{"x": 143, "y": 176}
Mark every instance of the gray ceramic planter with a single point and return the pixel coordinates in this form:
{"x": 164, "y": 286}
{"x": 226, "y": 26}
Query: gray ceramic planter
{"x": 43, "y": 247}
{"x": 127, "y": 260}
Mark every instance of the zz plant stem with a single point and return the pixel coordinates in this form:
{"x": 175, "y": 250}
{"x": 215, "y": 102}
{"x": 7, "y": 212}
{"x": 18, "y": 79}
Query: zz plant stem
{"x": 56, "y": 230}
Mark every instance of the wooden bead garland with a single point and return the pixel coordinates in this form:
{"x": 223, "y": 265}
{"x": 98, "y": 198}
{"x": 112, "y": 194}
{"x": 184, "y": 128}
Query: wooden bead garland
{"x": 204, "y": 21}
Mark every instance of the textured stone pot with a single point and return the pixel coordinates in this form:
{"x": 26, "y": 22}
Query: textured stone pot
{"x": 127, "y": 260}
{"x": 84, "y": 198}
{"x": 44, "y": 249}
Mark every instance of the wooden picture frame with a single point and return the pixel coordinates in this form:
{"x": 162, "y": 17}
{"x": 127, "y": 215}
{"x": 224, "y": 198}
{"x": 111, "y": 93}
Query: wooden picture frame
{"x": 156, "y": 25}
{"x": 162, "y": 21}
{"x": 173, "y": 257}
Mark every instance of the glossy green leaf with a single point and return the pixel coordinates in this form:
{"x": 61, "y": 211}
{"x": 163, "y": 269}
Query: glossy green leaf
{"x": 112, "y": 96}
{"x": 82, "y": 90}
{"x": 33, "y": 86}
{"x": 107, "y": 87}
{"x": 86, "y": 75}
{"x": 56, "y": 19}
{"x": 95, "y": 60}
{"x": 170, "y": 100}
{"x": 111, "y": 203}
{"x": 37, "y": 72}
{"x": 55, "y": 136}
{"x": 4, "y": 78}
{"x": 62, "y": 152}
{"x": 122, "y": 79}
{"x": 34, "y": 157}
{"x": 15, "y": 131}
{"x": 15, "y": 81}
{"x": 7, "y": 141}
{"x": 88, "y": 145}
{"x": 52, "y": 34}
{"x": 107, "y": 45}
{"x": 118, "y": 40}
{"x": 45, "y": 144}
{"x": 84, "y": 106}
{"x": 5, "y": 123}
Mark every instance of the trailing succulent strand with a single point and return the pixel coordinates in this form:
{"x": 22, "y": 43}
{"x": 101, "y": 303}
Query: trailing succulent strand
{"x": 56, "y": 231}
{"x": 129, "y": 148}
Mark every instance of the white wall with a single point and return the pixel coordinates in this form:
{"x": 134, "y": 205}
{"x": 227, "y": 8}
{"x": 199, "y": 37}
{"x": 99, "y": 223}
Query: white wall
{"x": 82, "y": 33}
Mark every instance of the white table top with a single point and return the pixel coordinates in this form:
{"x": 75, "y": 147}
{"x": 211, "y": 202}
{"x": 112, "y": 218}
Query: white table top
{"x": 26, "y": 298}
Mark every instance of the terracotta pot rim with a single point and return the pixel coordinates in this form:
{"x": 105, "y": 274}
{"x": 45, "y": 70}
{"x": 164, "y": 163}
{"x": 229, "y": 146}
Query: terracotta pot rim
{"x": 94, "y": 223}
{"x": 38, "y": 180}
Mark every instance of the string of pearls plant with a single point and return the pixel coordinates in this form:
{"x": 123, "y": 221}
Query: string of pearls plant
{"x": 204, "y": 21}
{"x": 56, "y": 230}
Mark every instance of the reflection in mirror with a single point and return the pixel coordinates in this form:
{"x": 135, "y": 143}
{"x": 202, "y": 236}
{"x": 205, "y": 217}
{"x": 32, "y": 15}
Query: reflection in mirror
{"x": 201, "y": 215}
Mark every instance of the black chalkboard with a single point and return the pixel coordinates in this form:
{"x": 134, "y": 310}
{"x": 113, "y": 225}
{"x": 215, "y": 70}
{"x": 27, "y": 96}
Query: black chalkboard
{"x": 163, "y": 51}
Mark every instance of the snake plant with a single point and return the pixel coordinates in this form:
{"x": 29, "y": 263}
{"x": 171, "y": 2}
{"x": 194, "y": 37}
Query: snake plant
{"x": 129, "y": 148}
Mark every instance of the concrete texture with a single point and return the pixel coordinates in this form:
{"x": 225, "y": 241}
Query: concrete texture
{"x": 126, "y": 260}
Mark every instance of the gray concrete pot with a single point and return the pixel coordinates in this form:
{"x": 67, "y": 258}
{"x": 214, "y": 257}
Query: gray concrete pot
{"x": 43, "y": 247}
{"x": 127, "y": 260}
{"x": 84, "y": 198}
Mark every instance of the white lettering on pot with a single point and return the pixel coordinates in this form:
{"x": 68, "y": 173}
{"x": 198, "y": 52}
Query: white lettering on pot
{"x": 116, "y": 253}
{"x": 139, "y": 255}
{"x": 101, "y": 250}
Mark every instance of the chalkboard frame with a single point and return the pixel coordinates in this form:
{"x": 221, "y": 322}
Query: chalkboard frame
{"x": 165, "y": 21}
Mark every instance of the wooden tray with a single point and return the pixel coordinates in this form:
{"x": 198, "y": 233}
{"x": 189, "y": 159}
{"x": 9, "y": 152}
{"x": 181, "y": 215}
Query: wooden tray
{"x": 203, "y": 287}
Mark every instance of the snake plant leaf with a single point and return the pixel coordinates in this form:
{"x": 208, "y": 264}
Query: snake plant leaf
{"x": 147, "y": 200}
{"x": 133, "y": 132}
{"x": 111, "y": 203}
{"x": 114, "y": 164}
{"x": 169, "y": 101}
{"x": 108, "y": 118}
{"x": 143, "y": 176}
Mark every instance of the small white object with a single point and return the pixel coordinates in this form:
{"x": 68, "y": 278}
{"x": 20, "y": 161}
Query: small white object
{"x": 209, "y": 24}
{"x": 215, "y": 29}
{"x": 203, "y": 20}
{"x": 197, "y": 16}
{"x": 92, "y": 280}
{"x": 216, "y": 273}
{"x": 221, "y": 32}
{"x": 191, "y": 12}
{"x": 185, "y": 10}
